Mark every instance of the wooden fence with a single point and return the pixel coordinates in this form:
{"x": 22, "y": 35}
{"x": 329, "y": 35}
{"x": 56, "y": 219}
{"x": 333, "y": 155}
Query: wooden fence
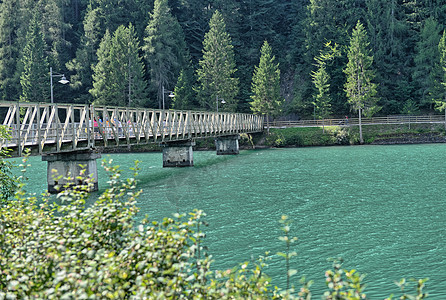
{"x": 355, "y": 121}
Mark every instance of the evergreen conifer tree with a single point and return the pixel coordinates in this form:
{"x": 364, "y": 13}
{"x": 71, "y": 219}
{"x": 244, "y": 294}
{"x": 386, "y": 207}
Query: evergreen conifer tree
{"x": 102, "y": 78}
{"x": 165, "y": 50}
{"x": 9, "y": 50}
{"x": 119, "y": 74}
{"x": 441, "y": 103}
{"x": 86, "y": 56}
{"x": 34, "y": 79}
{"x": 392, "y": 51}
{"x": 217, "y": 68}
{"x": 321, "y": 80}
{"x": 427, "y": 74}
{"x": 184, "y": 93}
{"x": 265, "y": 88}
{"x": 359, "y": 87}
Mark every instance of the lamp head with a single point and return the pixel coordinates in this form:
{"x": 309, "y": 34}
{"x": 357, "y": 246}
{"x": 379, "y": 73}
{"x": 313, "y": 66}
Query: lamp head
{"x": 64, "y": 80}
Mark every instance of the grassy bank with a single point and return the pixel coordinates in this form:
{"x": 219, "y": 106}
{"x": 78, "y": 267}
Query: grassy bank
{"x": 341, "y": 135}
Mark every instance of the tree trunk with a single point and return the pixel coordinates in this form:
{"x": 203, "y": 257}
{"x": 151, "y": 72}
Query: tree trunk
{"x": 267, "y": 124}
{"x": 361, "y": 140}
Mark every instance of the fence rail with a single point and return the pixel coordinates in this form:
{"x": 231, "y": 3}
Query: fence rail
{"x": 50, "y": 128}
{"x": 355, "y": 121}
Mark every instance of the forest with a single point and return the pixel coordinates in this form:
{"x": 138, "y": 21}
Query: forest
{"x": 206, "y": 53}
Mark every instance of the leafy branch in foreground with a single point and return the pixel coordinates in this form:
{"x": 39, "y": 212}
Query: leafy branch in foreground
{"x": 8, "y": 182}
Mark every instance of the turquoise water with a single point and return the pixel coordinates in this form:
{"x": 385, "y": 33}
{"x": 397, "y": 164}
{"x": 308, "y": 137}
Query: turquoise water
{"x": 381, "y": 208}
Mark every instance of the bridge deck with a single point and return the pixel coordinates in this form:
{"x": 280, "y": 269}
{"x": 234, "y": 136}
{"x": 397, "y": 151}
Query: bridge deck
{"x": 51, "y": 128}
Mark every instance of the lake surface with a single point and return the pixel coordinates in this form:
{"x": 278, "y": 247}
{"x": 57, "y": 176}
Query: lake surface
{"x": 381, "y": 208}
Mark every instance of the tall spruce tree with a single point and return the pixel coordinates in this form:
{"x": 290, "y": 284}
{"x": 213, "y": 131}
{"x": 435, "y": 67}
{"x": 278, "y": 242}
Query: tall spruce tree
{"x": 392, "y": 51}
{"x": 102, "y": 91}
{"x": 360, "y": 89}
{"x": 321, "y": 99}
{"x": 265, "y": 88}
{"x": 329, "y": 20}
{"x": 34, "y": 79}
{"x": 119, "y": 74}
{"x": 426, "y": 70}
{"x": 9, "y": 49}
{"x": 193, "y": 16}
{"x": 165, "y": 50}
{"x": 217, "y": 68}
{"x": 185, "y": 97}
{"x": 441, "y": 103}
{"x": 55, "y": 31}
{"x": 128, "y": 67}
{"x": 321, "y": 80}
{"x": 86, "y": 56}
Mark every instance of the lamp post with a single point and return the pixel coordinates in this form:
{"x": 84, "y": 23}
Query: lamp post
{"x": 171, "y": 95}
{"x": 221, "y": 100}
{"x": 63, "y": 80}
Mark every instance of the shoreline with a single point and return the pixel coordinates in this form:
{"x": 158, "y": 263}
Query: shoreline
{"x": 391, "y": 139}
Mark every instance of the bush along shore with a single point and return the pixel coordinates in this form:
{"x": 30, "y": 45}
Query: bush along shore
{"x": 349, "y": 135}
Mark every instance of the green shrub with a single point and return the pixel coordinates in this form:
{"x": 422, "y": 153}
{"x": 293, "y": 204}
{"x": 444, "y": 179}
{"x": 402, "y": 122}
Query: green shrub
{"x": 8, "y": 182}
{"x": 310, "y": 136}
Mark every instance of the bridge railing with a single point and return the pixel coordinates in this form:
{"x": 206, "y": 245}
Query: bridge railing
{"x": 400, "y": 119}
{"x": 47, "y": 128}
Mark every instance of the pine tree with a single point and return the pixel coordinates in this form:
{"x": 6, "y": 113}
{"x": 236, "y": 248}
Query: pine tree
{"x": 389, "y": 34}
{"x": 193, "y": 16}
{"x": 9, "y": 50}
{"x": 184, "y": 93}
{"x": 265, "y": 88}
{"x": 86, "y": 56}
{"x": 441, "y": 103}
{"x": 34, "y": 78}
{"x": 359, "y": 87}
{"x": 329, "y": 20}
{"x": 426, "y": 70}
{"x": 217, "y": 68}
{"x": 55, "y": 31}
{"x": 102, "y": 74}
{"x": 321, "y": 80}
{"x": 127, "y": 61}
{"x": 119, "y": 74}
{"x": 165, "y": 49}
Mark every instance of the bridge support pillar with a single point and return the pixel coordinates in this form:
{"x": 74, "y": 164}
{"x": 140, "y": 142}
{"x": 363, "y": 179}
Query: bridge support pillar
{"x": 70, "y": 164}
{"x": 227, "y": 145}
{"x": 178, "y": 154}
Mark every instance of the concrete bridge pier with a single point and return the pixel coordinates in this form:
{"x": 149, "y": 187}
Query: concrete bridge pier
{"x": 178, "y": 154}
{"x": 227, "y": 145}
{"x": 70, "y": 164}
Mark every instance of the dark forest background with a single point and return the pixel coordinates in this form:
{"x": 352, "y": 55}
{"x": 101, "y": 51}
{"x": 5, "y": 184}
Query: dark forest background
{"x": 403, "y": 35}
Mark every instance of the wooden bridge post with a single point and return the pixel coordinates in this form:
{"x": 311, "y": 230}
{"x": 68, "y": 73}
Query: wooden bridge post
{"x": 227, "y": 145}
{"x": 70, "y": 165}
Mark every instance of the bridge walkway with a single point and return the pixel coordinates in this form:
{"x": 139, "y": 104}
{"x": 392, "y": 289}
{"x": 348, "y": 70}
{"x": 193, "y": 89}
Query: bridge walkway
{"x": 53, "y": 128}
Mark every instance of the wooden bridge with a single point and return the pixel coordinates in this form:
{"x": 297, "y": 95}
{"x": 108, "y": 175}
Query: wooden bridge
{"x": 53, "y": 128}
{"x": 67, "y": 135}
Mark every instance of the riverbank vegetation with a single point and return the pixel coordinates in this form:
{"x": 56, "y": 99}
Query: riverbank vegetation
{"x": 343, "y": 135}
